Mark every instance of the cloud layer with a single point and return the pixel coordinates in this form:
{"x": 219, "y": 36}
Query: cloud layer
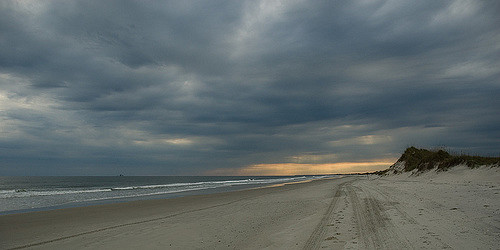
{"x": 189, "y": 87}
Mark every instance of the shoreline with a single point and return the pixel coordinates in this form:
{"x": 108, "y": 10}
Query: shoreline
{"x": 48, "y": 229}
{"x": 27, "y": 203}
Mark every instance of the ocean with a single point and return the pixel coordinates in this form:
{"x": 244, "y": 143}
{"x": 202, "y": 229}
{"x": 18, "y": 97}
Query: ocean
{"x": 37, "y": 193}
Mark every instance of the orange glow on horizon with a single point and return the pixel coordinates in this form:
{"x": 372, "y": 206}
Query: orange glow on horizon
{"x": 305, "y": 169}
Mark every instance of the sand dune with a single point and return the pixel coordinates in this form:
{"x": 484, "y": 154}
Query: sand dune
{"x": 435, "y": 211}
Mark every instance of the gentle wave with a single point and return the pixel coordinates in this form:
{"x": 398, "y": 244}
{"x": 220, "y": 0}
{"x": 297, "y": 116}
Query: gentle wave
{"x": 19, "y": 193}
{"x": 211, "y": 183}
{"x": 171, "y": 188}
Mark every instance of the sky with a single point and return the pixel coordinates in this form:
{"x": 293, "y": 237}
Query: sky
{"x": 224, "y": 87}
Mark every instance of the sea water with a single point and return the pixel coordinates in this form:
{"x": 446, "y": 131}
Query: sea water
{"x": 36, "y": 193}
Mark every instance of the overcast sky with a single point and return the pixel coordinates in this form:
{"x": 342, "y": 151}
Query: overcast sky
{"x": 243, "y": 87}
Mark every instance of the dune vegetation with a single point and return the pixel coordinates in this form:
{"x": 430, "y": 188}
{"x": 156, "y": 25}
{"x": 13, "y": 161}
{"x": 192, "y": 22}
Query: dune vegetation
{"x": 424, "y": 159}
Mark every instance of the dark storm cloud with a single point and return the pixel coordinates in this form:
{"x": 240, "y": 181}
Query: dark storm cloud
{"x": 181, "y": 87}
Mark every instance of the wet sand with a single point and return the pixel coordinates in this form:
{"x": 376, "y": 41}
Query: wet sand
{"x": 274, "y": 217}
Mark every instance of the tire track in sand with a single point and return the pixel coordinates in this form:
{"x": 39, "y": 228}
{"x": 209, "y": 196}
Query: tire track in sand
{"x": 373, "y": 226}
{"x": 314, "y": 241}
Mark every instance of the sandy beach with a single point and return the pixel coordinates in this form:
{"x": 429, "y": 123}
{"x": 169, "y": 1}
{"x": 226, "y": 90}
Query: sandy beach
{"x": 435, "y": 211}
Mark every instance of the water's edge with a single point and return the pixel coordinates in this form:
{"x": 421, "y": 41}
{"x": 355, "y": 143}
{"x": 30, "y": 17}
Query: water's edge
{"x": 14, "y": 201}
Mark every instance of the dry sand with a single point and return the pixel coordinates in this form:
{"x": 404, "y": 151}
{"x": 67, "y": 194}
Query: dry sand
{"x": 433, "y": 211}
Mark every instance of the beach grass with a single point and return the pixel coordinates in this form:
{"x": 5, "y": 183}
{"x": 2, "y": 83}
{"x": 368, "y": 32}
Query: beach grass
{"x": 424, "y": 159}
